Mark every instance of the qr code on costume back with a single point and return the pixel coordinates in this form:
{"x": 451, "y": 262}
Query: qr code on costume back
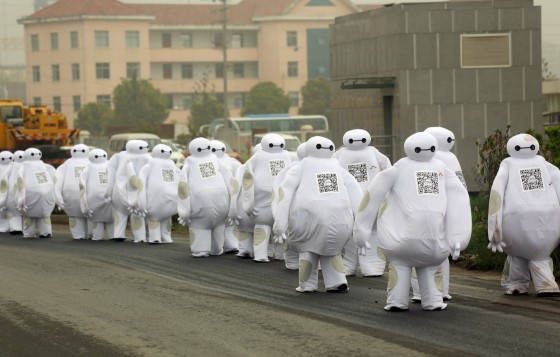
{"x": 427, "y": 183}
{"x": 531, "y": 179}
{"x": 359, "y": 171}
{"x": 207, "y": 169}
{"x": 41, "y": 177}
{"x": 167, "y": 175}
{"x": 78, "y": 171}
{"x": 102, "y": 177}
{"x": 276, "y": 166}
{"x": 327, "y": 182}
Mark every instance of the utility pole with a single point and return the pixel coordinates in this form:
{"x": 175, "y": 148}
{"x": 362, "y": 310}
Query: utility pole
{"x": 224, "y": 55}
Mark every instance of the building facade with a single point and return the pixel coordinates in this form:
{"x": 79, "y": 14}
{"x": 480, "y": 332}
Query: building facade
{"x": 78, "y": 51}
{"x": 470, "y": 66}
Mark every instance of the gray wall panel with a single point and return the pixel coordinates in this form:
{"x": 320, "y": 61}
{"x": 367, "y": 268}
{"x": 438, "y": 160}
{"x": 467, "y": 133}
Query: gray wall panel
{"x": 511, "y": 19}
{"x": 512, "y": 87}
{"x": 489, "y": 84}
{"x": 451, "y": 118}
{"x": 442, "y": 21}
{"x": 442, "y": 86}
{"x": 520, "y": 114}
{"x": 533, "y": 84}
{"x": 418, "y": 22}
{"x": 404, "y": 47}
{"x": 474, "y": 120}
{"x": 464, "y": 20}
{"x": 427, "y": 116}
{"x": 465, "y": 85}
{"x": 520, "y": 49}
{"x": 532, "y": 17}
{"x": 487, "y": 19}
{"x": 497, "y": 117}
{"x": 419, "y": 87}
{"x": 426, "y": 51}
{"x": 449, "y": 50}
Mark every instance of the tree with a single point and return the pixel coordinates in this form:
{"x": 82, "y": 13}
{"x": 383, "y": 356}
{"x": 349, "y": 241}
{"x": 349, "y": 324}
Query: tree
{"x": 94, "y": 117}
{"x": 316, "y": 95}
{"x": 547, "y": 74}
{"x": 266, "y": 98}
{"x": 138, "y": 102}
{"x": 205, "y": 107}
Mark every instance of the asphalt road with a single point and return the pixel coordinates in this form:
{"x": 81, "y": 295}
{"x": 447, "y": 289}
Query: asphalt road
{"x": 60, "y": 297}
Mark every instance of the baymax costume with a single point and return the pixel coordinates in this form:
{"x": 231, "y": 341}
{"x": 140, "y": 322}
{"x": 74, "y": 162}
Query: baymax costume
{"x": 208, "y": 199}
{"x": 231, "y": 244}
{"x": 162, "y": 192}
{"x": 422, "y": 212}
{"x": 15, "y": 218}
{"x": 94, "y": 182}
{"x": 122, "y": 190}
{"x": 316, "y": 206}
{"x": 67, "y": 189}
{"x": 6, "y": 159}
{"x": 260, "y": 171}
{"x": 363, "y": 162}
{"x": 35, "y": 194}
{"x": 446, "y": 140}
{"x": 524, "y": 217}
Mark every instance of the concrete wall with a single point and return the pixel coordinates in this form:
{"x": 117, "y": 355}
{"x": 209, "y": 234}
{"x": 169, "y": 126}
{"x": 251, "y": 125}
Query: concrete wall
{"x": 419, "y": 45}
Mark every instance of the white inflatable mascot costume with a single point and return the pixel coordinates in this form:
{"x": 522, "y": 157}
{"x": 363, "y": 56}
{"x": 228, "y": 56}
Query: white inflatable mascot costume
{"x": 524, "y": 217}
{"x": 67, "y": 190}
{"x": 316, "y": 206}
{"x": 162, "y": 189}
{"x": 208, "y": 199}
{"x": 256, "y": 194}
{"x": 15, "y": 219}
{"x": 231, "y": 244}
{"x": 423, "y": 214}
{"x": 94, "y": 183}
{"x": 35, "y": 194}
{"x": 6, "y": 159}
{"x": 123, "y": 171}
{"x": 363, "y": 162}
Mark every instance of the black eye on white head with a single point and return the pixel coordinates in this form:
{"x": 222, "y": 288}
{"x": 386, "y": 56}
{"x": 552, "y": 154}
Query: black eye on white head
{"x": 450, "y": 140}
{"x": 83, "y": 150}
{"x": 162, "y": 151}
{"x": 75, "y": 150}
{"x": 141, "y": 147}
{"x": 213, "y": 150}
{"x": 97, "y": 156}
{"x": 270, "y": 145}
{"x": 224, "y": 149}
{"x": 282, "y": 146}
{"x": 363, "y": 140}
{"x": 199, "y": 149}
{"x": 532, "y": 147}
{"x": 33, "y": 154}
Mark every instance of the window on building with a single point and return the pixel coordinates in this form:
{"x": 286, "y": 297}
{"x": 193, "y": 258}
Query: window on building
{"x": 219, "y": 70}
{"x": 237, "y": 100}
{"x": 101, "y": 39}
{"x": 237, "y": 40}
{"x": 186, "y": 101}
{"x": 36, "y": 100}
{"x": 36, "y": 73}
{"x": 186, "y": 70}
{"x": 55, "y": 72}
{"x": 103, "y": 70}
{"x": 167, "y": 71}
{"x": 104, "y": 99}
{"x": 485, "y": 50}
{"x": 76, "y": 103}
{"x": 34, "y": 43}
{"x": 292, "y": 69}
{"x": 133, "y": 70}
{"x": 75, "y": 71}
{"x": 54, "y": 41}
{"x": 132, "y": 39}
{"x": 57, "y": 106}
{"x": 291, "y": 38}
{"x": 238, "y": 70}
{"x": 294, "y": 99}
{"x": 218, "y": 39}
{"x": 166, "y": 40}
{"x": 186, "y": 40}
{"x": 74, "y": 39}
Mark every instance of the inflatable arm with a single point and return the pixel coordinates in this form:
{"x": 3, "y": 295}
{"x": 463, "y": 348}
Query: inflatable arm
{"x": 184, "y": 202}
{"x": 142, "y": 193}
{"x": 20, "y": 192}
{"x": 59, "y": 183}
{"x": 112, "y": 167}
{"x": 554, "y": 173}
{"x": 458, "y": 221}
{"x": 286, "y": 193}
{"x": 4, "y": 187}
{"x": 354, "y": 190}
{"x": 495, "y": 209}
{"x": 248, "y": 190}
{"x": 132, "y": 188}
{"x": 84, "y": 206}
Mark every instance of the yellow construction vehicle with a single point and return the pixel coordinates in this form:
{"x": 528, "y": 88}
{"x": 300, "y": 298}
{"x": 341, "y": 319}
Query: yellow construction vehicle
{"x": 24, "y": 126}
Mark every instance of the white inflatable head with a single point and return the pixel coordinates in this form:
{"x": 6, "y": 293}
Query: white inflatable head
{"x": 218, "y": 148}
{"x": 161, "y": 151}
{"x": 19, "y": 156}
{"x": 200, "y": 147}
{"x": 79, "y": 151}
{"x": 33, "y": 154}
{"x": 97, "y": 156}
{"x": 6, "y": 157}
{"x": 523, "y": 146}
{"x": 356, "y": 139}
{"x": 256, "y": 148}
{"x": 273, "y": 143}
{"x": 137, "y": 147}
{"x": 420, "y": 146}
{"x": 320, "y": 147}
{"x": 300, "y": 151}
{"x": 445, "y": 137}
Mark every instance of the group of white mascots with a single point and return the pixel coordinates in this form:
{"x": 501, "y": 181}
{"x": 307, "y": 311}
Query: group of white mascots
{"x": 342, "y": 212}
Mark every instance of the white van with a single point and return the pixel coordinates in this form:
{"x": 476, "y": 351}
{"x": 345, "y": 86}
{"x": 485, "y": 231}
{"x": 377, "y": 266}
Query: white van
{"x": 117, "y": 143}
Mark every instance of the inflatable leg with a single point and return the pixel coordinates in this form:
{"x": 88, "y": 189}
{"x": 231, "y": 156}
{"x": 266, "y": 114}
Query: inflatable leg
{"x": 78, "y": 227}
{"x": 245, "y": 243}
{"x": 138, "y": 226}
{"x": 516, "y": 276}
{"x": 372, "y": 264}
{"x": 308, "y": 272}
{"x": 430, "y": 287}
{"x": 415, "y": 289}
{"x": 97, "y": 231}
{"x": 398, "y": 287}
{"x": 543, "y": 278}
{"x": 218, "y": 237}
{"x": 231, "y": 245}
{"x": 44, "y": 226}
{"x": 15, "y": 220}
{"x": 445, "y": 280}
{"x": 119, "y": 221}
{"x": 200, "y": 241}
{"x": 166, "y": 231}
{"x": 261, "y": 237}
{"x": 333, "y": 274}
{"x": 291, "y": 257}
{"x": 154, "y": 231}
{"x": 4, "y": 223}
{"x": 350, "y": 258}
{"x": 29, "y": 227}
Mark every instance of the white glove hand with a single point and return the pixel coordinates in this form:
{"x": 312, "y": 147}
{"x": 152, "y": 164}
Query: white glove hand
{"x": 279, "y": 239}
{"x": 363, "y": 250}
{"x": 141, "y": 213}
{"x": 107, "y": 199}
{"x": 184, "y": 221}
{"x": 456, "y": 251}
{"x": 88, "y": 214}
{"x": 233, "y": 221}
{"x": 2, "y": 208}
{"x": 496, "y": 243}
{"x": 61, "y": 207}
{"x": 253, "y": 214}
